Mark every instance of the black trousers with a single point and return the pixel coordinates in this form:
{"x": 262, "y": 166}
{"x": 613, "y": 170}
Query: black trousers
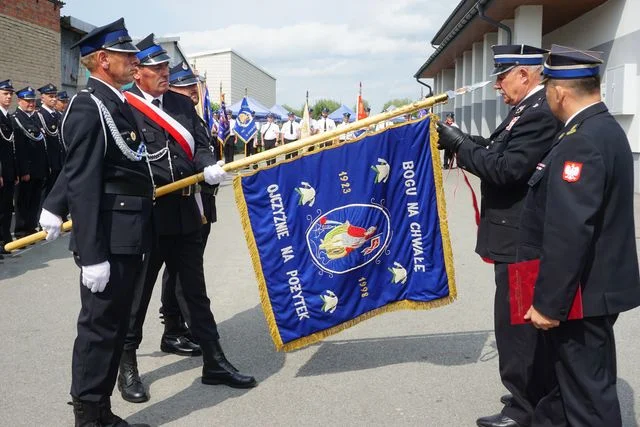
{"x": 290, "y": 155}
{"x": 584, "y": 362}
{"x": 268, "y": 145}
{"x": 6, "y": 209}
{"x": 523, "y": 363}
{"x": 173, "y": 302}
{"x": 229, "y": 149}
{"x": 102, "y": 325}
{"x": 28, "y": 202}
{"x": 182, "y": 255}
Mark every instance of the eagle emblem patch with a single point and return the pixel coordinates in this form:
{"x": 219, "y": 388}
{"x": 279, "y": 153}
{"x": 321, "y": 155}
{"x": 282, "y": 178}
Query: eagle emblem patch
{"x": 571, "y": 171}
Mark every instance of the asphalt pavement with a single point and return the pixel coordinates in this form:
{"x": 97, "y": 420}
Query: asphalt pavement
{"x": 409, "y": 368}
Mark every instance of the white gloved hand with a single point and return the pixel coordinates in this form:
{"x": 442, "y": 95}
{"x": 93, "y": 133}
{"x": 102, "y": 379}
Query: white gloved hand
{"x": 50, "y": 223}
{"x": 96, "y": 276}
{"x": 220, "y": 163}
{"x": 214, "y": 174}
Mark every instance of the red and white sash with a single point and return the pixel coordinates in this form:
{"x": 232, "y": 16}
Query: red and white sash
{"x": 165, "y": 121}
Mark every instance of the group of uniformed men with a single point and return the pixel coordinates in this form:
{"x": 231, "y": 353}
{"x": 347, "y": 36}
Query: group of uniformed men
{"x": 557, "y": 188}
{"x": 31, "y": 155}
{"x": 271, "y": 134}
{"x": 121, "y": 146}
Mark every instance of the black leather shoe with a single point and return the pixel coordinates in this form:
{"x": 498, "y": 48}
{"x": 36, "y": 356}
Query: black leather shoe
{"x": 497, "y": 420}
{"x": 129, "y": 382}
{"x": 180, "y": 345}
{"x": 506, "y": 399}
{"x": 216, "y": 368}
{"x": 177, "y": 338}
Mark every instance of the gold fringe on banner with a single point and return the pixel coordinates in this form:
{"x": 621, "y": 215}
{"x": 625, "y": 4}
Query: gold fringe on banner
{"x": 395, "y": 306}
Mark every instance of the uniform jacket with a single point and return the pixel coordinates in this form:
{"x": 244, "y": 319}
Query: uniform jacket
{"x": 504, "y": 163}
{"x": 174, "y": 213}
{"x": 55, "y": 150}
{"x": 8, "y": 157}
{"x": 31, "y": 155}
{"x": 109, "y": 196}
{"x": 578, "y": 219}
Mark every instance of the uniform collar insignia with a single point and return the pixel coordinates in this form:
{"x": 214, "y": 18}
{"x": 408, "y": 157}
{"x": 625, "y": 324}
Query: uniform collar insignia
{"x": 520, "y": 109}
{"x": 572, "y": 130}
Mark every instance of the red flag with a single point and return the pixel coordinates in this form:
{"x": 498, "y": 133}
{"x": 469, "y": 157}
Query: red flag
{"x": 361, "y": 114}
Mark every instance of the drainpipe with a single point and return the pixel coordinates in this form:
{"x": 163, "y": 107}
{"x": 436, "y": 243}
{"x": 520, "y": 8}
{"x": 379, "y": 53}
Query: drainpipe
{"x": 424, "y": 84}
{"x": 492, "y": 22}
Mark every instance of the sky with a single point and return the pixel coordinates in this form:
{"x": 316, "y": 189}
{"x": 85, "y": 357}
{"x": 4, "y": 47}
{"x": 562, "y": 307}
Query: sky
{"x": 326, "y": 47}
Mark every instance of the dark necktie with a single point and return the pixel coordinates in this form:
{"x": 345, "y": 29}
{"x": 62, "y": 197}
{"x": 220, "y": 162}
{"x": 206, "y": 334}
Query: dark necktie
{"x": 291, "y": 128}
{"x": 156, "y": 102}
{"x": 325, "y": 125}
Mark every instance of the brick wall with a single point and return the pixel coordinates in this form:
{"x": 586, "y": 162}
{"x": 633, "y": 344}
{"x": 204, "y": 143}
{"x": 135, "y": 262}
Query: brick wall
{"x": 42, "y": 13}
{"x": 30, "y": 52}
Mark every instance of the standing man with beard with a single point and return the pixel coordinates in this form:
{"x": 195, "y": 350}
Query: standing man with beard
{"x": 50, "y": 121}
{"x": 178, "y": 147}
{"x": 504, "y": 162}
{"x": 9, "y": 162}
{"x": 33, "y": 165}
{"x": 107, "y": 184}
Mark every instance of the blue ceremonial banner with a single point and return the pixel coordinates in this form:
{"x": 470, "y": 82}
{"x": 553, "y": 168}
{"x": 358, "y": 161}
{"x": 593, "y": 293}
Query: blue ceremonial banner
{"x": 245, "y": 127}
{"x": 206, "y": 106}
{"x": 347, "y": 232}
{"x": 223, "y": 124}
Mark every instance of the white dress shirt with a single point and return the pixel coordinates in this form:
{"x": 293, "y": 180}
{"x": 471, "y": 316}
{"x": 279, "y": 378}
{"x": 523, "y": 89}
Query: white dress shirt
{"x": 269, "y": 131}
{"x": 291, "y": 130}
{"x": 325, "y": 124}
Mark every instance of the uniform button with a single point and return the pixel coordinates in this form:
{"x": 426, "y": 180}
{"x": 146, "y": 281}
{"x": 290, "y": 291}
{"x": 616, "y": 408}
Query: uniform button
{"x": 121, "y": 203}
{"x": 175, "y": 156}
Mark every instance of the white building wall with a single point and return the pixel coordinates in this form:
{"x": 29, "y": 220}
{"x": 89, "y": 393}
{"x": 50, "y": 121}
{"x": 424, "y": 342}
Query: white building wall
{"x": 476, "y": 96}
{"x": 217, "y": 69}
{"x": 235, "y": 74}
{"x": 259, "y": 85}
{"x": 467, "y": 76}
{"x": 613, "y": 28}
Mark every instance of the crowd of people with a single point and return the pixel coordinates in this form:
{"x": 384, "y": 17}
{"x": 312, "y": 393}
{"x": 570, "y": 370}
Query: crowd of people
{"x": 31, "y": 155}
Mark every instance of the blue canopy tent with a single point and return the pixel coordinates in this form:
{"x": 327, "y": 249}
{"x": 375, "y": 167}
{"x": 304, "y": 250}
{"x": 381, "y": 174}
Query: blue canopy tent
{"x": 336, "y": 116}
{"x": 261, "y": 110}
{"x": 279, "y": 110}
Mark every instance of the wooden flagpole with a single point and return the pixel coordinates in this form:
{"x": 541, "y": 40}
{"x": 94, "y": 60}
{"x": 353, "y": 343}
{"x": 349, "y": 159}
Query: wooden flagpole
{"x": 265, "y": 155}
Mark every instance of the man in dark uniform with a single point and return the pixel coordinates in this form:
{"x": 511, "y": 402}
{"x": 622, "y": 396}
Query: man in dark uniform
{"x": 33, "y": 165}
{"x": 50, "y": 123}
{"x": 109, "y": 190}
{"x": 504, "y": 162}
{"x": 61, "y": 102}
{"x": 182, "y": 80}
{"x": 229, "y": 147}
{"x": 578, "y": 220}
{"x": 178, "y": 146}
{"x": 8, "y": 160}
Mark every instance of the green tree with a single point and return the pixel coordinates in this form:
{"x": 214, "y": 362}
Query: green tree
{"x": 215, "y": 106}
{"x": 296, "y": 111}
{"x": 364, "y": 102}
{"x": 398, "y": 102}
{"x": 322, "y": 103}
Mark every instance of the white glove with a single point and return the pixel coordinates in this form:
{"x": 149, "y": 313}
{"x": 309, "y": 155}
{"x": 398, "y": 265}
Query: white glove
{"x": 220, "y": 163}
{"x": 50, "y": 223}
{"x": 95, "y": 277}
{"x": 214, "y": 174}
